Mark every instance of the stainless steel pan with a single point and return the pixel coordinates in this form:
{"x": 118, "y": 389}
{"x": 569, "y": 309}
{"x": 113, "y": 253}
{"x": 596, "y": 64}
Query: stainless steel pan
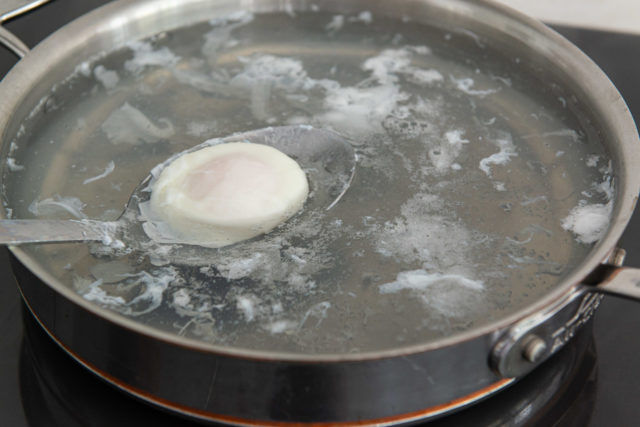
{"x": 237, "y": 385}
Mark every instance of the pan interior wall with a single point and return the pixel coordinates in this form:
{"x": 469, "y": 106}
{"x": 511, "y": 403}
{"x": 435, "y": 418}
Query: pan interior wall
{"x": 480, "y": 183}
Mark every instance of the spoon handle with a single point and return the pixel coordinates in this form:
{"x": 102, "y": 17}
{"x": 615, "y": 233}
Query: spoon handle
{"x": 22, "y": 231}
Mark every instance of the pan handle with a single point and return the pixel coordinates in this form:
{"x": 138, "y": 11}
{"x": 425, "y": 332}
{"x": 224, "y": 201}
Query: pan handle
{"x": 11, "y": 9}
{"x": 613, "y": 279}
{"x": 13, "y": 43}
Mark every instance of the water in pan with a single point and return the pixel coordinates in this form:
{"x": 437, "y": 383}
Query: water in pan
{"x": 479, "y": 186}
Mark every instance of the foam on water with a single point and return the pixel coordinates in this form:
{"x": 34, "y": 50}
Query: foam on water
{"x": 427, "y": 77}
{"x": 219, "y": 37}
{"x": 356, "y": 111}
{"x": 13, "y": 165}
{"x": 502, "y": 157}
{"x": 128, "y": 125}
{"x": 145, "y": 55}
{"x": 592, "y": 160}
{"x": 365, "y": 16}
{"x": 467, "y": 84}
{"x": 336, "y": 24}
{"x": 425, "y": 234}
{"x": 96, "y": 294}
{"x": 108, "y": 78}
{"x": 315, "y": 314}
{"x": 588, "y": 222}
{"x": 280, "y": 326}
{"x": 246, "y": 305}
{"x": 444, "y": 156}
{"x": 200, "y": 129}
{"x": 58, "y": 205}
{"x": 135, "y": 295}
{"x": 108, "y": 169}
{"x": 447, "y": 295}
{"x": 421, "y": 280}
{"x": 283, "y": 73}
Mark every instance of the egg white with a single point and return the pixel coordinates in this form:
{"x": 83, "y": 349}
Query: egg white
{"x": 227, "y": 193}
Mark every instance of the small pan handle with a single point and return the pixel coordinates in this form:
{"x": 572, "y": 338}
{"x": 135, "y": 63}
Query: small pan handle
{"x": 615, "y": 280}
{"x": 12, "y": 9}
{"x": 13, "y": 43}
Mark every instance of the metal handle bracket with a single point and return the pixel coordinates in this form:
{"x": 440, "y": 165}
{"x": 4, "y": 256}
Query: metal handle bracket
{"x": 532, "y": 340}
{"x": 12, "y": 9}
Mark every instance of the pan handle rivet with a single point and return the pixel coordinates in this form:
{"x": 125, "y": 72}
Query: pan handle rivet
{"x": 534, "y": 348}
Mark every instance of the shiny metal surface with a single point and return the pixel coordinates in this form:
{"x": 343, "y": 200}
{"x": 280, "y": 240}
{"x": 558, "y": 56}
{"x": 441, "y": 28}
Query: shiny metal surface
{"x": 623, "y": 282}
{"x": 535, "y": 349}
{"x": 9, "y": 10}
{"x": 534, "y": 339}
{"x": 369, "y": 386}
{"x": 88, "y": 398}
{"x": 328, "y": 156}
{"x": 18, "y": 231}
{"x": 13, "y": 43}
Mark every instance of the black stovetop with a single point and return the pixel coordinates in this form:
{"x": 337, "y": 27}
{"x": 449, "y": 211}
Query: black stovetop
{"x": 614, "y": 391}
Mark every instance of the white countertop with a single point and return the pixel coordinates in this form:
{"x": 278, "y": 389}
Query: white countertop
{"x": 609, "y": 15}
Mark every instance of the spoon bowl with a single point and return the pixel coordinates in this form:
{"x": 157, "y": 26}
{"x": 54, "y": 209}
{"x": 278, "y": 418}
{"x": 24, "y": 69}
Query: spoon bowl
{"x": 327, "y": 158}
